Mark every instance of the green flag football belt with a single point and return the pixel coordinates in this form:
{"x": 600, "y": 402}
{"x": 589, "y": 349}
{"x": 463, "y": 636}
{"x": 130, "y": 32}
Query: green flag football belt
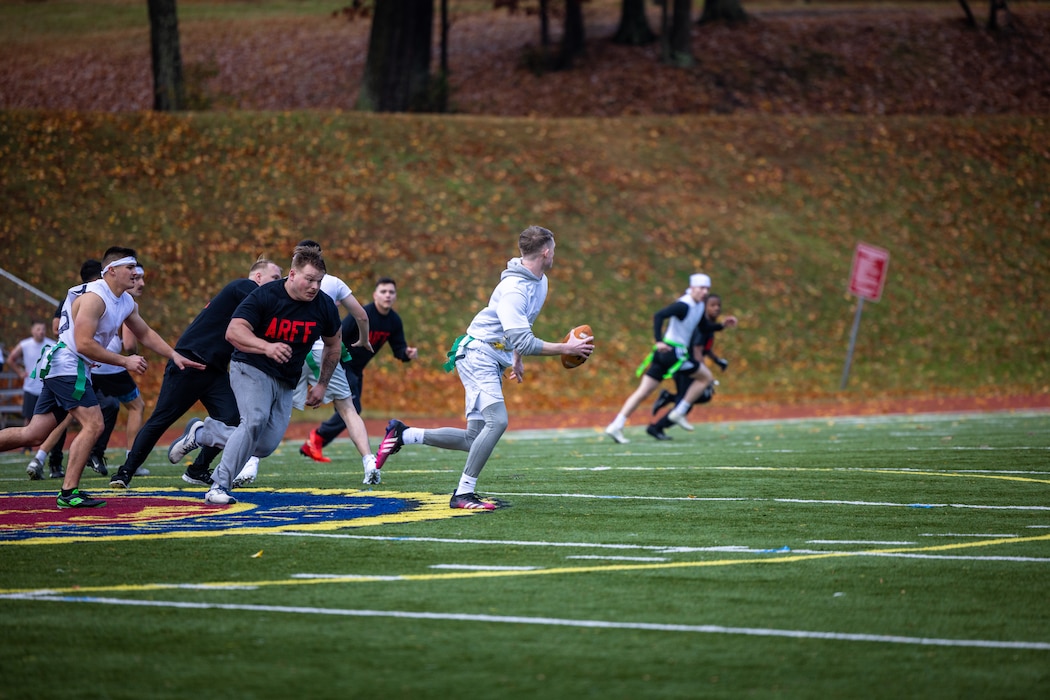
{"x": 652, "y": 353}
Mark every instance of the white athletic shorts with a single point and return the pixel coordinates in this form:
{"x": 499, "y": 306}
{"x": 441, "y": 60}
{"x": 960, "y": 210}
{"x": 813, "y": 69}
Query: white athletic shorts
{"x": 338, "y": 387}
{"x": 482, "y": 378}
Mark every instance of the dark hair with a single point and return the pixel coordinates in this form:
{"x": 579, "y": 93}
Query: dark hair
{"x": 308, "y": 242}
{"x": 116, "y": 253}
{"x": 91, "y": 270}
{"x": 386, "y": 280}
{"x": 533, "y": 240}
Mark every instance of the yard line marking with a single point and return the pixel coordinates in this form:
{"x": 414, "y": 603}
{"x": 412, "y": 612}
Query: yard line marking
{"x": 472, "y": 567}
{"x": 787, "y": 558}
{"x": 812, "y": 501}
{"x": 562, "y": 622}
{"x": 612, "y": 558}
{"x": 961, "y": 534}
{"x": 873, "y": 542}
{"x": 956, "y": 557}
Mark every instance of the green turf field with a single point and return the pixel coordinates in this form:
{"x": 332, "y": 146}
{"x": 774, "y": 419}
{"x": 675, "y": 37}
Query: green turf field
{"x": 902, "y": 556}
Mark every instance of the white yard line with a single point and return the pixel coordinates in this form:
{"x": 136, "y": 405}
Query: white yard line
{"x": 555, "y": 622}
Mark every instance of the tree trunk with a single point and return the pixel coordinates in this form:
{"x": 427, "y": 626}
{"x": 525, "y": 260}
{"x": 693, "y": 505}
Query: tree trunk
{"x": 725, "y": 10}
{"x": 634, "y": 25}
{"x": 994, "y": 6}
{"x": 397, "y": 69}
{"x": 169, "y": 89}
{"x": 971, "y": 21}
{"x": 681, "y": 34}
{"x": 545, "y": 23}
{"x": 572, "y": 39}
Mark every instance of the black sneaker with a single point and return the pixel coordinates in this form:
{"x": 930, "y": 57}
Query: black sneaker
{"x": 79, "y": 500}
{"x": 120, "y": 480}
{"x": 98, "y": 463}
{"x": 391, "y": 442}
{"x": 470, "y": 501}
{"x": 57, "y": 472}
{"x": 662, "y": 400}
{"x": 658, "y": 433}
{"x": 200, "y": 478}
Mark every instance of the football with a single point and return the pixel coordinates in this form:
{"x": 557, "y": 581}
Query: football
{"x": 570, "y": 361}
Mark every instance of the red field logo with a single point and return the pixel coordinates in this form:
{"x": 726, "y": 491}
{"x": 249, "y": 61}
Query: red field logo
{"x": 33, "y": 518}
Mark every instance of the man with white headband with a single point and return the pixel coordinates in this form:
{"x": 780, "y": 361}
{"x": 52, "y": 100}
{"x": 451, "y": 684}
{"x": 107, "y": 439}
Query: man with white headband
{"x": 92, "y": 315}
{"x": 117, "y": 382}
{"x": 670, "y": 353}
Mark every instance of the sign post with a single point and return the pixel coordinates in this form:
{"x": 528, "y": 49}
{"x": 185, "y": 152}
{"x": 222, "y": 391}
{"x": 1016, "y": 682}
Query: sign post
{"x": 866, "y": 279}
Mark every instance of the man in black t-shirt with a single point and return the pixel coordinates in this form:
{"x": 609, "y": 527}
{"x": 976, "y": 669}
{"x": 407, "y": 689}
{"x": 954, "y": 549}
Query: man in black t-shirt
{"x": 204, "y": 340}
{"x": 384, "y": 326}
{"x": 272, "y": 332}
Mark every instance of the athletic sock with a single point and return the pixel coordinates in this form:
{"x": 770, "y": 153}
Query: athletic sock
{"x": 466, "y": 484}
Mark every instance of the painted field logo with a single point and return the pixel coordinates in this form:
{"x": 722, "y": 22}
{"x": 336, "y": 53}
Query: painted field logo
{"x": 32, "y": 518}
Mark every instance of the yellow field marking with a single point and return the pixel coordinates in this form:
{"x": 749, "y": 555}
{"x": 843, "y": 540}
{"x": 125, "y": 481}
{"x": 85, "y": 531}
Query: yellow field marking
{"x": 462, "y": 575}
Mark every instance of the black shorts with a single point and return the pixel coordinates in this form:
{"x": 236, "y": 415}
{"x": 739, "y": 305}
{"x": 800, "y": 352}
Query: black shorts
{"x": 120, "y": 386}
{"x": 662, "y": 363}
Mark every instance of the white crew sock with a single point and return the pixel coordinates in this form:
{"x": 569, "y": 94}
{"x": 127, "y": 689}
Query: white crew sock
{"x": 412, "y": 436}
{"x": 466, "y": 484}
{"x": 41, "y": 456}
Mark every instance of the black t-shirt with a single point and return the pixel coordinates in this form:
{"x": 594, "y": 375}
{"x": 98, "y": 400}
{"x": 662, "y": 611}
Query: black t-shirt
{"x": 380, "y": 330}
{"x": 276, "y": 317}
{"x": 205, "y": 337}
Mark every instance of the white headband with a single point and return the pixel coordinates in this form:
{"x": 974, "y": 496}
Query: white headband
{"x": 120, "y": 263}
{"x": 139, "y": 271}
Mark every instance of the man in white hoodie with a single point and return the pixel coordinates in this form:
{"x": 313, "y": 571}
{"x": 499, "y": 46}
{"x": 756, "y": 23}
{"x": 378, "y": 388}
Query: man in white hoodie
{"x": 499, "y": 337}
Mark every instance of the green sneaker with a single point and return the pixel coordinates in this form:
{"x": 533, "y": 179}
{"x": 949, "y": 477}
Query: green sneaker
{"x": 79, "y": 500}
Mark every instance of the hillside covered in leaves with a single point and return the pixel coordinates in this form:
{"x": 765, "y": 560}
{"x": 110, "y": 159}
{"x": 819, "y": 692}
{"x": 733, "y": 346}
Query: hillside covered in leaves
{"x": 764, "y": 168}
{"x": 770, "y": 208}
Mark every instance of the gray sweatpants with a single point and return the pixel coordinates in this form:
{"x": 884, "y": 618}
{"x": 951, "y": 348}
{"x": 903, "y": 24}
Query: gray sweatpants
{"x": 266, "y": 409}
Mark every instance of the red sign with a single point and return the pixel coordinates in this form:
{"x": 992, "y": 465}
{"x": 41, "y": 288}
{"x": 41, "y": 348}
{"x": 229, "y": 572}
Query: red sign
{"x": 868, "y": 274}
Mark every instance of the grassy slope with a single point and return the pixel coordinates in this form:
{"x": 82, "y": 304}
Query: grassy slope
{"x": 770, "y": 207}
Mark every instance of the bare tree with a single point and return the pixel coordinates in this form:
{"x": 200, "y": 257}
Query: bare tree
{"x": 722, "y": 10}
{"x": 681, "y": 47}
{"x": 634, "y": 27}
{"x": 572, "y": 40}
{"x": 169, "y": 89}
{"x": 397, "y": 69}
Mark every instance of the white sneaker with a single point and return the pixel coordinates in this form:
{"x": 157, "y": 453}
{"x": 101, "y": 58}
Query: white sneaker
{"x": 248, "y": 472}
{"x": 35, "y": 470}
{"x": 218, "y": 496}
{"x": 142, "y": 471}
{"x": 372, "y": 475}
{"x": 616, "y": 434}
{"x": 679, "y": 420}
{"x": 187, "y": 443}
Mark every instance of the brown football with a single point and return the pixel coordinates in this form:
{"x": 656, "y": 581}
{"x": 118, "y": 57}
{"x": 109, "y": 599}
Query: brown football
{"x": 570, "y": 361}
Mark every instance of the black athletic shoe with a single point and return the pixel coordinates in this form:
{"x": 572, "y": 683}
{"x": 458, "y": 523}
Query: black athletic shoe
{"x": 98, "y": 463}
{"x": 662, "y": 400}
{"x": 120, "y": 480}
{"x": 57, "y": 472}
{"x": 79, "y": 500}
{"x": 658, "y": 433}
{"x": 200, "y": 478}
{"x": 470, "y": 501}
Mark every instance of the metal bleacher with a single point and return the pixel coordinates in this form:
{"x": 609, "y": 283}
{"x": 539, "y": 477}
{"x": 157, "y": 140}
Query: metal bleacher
{"x": 10, "y": 399}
